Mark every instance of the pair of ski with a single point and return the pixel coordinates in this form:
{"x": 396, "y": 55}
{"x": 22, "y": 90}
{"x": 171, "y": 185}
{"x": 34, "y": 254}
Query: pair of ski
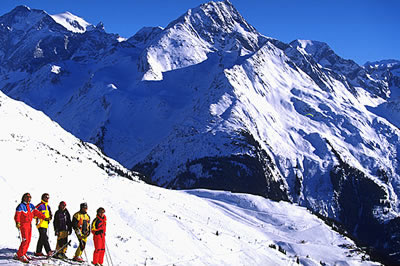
{"x": 53, "y": 260}
{"x": 70, "y": 261}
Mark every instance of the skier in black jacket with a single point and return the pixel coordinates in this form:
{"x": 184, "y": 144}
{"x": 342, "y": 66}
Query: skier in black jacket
{"x": 63, "y": 228}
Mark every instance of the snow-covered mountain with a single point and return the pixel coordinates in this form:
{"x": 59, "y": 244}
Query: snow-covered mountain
{"x": 389, "y": 72}
{"x": 31, "y": 39}
{"x": 146, "y": 224}
{"x": 71, "y": 22}
{"x": 209, "y": 102}
{"x": 212, "y": 27}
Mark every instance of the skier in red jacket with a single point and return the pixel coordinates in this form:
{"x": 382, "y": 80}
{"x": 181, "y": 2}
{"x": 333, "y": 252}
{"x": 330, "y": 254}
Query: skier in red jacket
{"x": 99, "y": 236}
{"x": 23, "y": 220}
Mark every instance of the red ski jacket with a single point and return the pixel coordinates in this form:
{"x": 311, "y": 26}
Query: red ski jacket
{"x": 25, "y": 213}
{"x": 99, "y": 225}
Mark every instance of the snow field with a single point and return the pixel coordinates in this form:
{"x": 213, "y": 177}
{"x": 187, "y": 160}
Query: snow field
{"x": 148, "y": 225}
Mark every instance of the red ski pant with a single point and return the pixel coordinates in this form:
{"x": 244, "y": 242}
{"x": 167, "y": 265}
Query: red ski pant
{"x": 99, "y": 248}
{"x": 26, "y": 234}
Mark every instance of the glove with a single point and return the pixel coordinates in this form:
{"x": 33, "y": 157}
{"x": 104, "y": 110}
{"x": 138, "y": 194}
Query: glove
{"x": 18, "y": 225}
{"x": 99, "y": 232}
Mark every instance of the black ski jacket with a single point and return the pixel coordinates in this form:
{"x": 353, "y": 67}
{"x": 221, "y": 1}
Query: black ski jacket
{"x": 62, "y": 221}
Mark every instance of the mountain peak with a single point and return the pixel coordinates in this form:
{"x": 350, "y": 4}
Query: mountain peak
{"x": 210, "y": 27}
{"x": 217, "y": 17}
{"x": 221, "y": 5}
{"x": 311, "y": 47}
{"x": 22, "y": 17}
{"x": 23, "y": 10}
{"x": 71, "y": 22}
{"x": 145, "y": 35}
{"x": 323, "y": 54}
{"x": 20, "y": 8}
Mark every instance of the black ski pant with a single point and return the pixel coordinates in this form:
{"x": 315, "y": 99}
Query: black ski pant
{"x": 43, "y": 241}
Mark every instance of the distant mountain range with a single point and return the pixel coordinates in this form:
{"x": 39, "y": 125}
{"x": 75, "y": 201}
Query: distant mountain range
{"x": 209, "y": 102}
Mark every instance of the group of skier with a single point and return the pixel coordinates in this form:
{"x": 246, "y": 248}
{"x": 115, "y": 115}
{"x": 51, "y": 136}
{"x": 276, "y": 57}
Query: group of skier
{"x": 63, "y": 226}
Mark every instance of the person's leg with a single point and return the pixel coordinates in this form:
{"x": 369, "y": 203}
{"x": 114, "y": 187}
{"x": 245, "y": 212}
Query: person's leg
{"x": 63, "y": 239}
{"x": 64, "y": 251}
{"x": 58, "y": 246}
{"x": 81, "y": 248}
{"x": 96, "y": 249}
{"x": 102, "y": 248}
{"x": 23, "y": 248}
{"x": 41, "y": 240}
{"x": 29, "y": 237}
{"x": 46, "y": 241}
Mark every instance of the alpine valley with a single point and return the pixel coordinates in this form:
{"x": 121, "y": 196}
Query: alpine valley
{"x": 209, "y": 102}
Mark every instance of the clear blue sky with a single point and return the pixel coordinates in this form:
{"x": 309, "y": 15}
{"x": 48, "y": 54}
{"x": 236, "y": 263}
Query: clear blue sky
{"x": 362, "y": 30}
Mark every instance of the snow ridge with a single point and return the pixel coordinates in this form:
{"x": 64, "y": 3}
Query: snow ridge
{"x": 71, "y": 22}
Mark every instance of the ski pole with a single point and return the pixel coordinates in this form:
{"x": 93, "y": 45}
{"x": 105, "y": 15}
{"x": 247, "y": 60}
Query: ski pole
{"x": 108, "y": 260}
{"x": 20, "y": 236}
{"x": 84, "y": 249}
{"x": 109, "y": 254}
{"x": 68, "y": 243}
{"x": 87, "y": 260}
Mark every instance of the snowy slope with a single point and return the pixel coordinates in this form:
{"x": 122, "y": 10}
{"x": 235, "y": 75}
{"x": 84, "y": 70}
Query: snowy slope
{"x": 209, "y": 102}
{"x": 148, "y": 225}
{"x": 389, "y": 71}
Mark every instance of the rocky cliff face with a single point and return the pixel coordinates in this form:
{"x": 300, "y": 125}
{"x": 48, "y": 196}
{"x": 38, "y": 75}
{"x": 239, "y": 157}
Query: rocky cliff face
{"x": 210, "y": 102}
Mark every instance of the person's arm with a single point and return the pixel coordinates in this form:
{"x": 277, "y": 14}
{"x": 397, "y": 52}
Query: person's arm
{"x": 39, "y": 214}
{"x": 17, "y": 216}
{"x": 98, "y": 227}
{"x": 69, "y": 222}
{"x": 50, "y": 213}
{"x": 75, "y": 222}
{"x": 94, "y": 226}
{"x": 55, "y": 222}
{"x": 88, "y": 232}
